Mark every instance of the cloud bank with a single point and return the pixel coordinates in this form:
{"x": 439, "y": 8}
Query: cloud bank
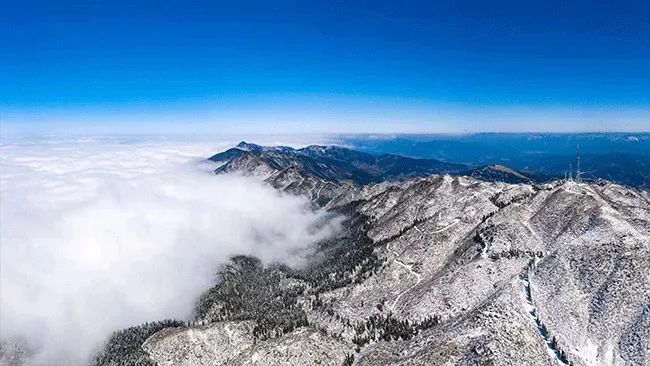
{"x": 98, "y": 235}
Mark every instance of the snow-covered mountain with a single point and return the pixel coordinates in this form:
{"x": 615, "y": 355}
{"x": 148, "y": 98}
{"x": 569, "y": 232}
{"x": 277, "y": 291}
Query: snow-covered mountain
{"x": 322, "y": 172}
{"x": 430, "y": 269}
{"x": 332, "y": 163}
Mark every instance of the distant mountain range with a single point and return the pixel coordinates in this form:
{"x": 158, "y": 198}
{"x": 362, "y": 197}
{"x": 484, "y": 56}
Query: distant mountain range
{"x": 332, "y": 163}
{"x": 619, "y": 157}
{"x": 340, "y": 164}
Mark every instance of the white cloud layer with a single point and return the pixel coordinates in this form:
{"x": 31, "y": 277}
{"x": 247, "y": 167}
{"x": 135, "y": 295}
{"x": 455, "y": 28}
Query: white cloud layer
{"x": 98, "y": 235}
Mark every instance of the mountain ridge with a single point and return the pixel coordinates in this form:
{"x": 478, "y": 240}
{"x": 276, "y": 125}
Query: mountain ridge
{"x": 341, "y": 165}
{"x": 436, "y": 269}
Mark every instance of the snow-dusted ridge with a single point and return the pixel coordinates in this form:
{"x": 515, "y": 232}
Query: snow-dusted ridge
{"x": 461, "y": 272}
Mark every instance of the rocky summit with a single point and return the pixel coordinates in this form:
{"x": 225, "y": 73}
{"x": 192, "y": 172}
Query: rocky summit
{"x": 428, "y": 269}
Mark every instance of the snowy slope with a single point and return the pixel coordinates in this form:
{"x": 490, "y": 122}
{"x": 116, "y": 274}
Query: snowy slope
{"x": 459, "y": 272}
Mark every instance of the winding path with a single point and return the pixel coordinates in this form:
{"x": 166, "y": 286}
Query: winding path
{"x": 409, "y": 267}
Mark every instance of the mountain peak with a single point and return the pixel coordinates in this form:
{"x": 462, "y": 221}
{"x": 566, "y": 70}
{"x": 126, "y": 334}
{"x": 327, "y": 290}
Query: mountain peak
{"x": 243, "y": 145}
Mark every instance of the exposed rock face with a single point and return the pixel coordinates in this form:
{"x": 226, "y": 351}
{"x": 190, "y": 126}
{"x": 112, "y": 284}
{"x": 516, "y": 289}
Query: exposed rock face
{"x": 443, "y": 271}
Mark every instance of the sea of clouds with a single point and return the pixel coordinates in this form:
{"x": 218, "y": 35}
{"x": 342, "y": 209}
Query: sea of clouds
{"x": 101, "y": 234}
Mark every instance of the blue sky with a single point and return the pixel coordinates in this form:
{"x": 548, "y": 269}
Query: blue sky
{"x": 330, "y": 66}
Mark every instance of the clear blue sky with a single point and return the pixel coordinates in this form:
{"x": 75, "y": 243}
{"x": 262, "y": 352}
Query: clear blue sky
{"x": 272, "y": 66}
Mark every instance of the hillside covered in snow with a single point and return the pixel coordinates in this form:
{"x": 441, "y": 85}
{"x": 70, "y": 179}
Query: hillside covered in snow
{"x": 429, "y": 269}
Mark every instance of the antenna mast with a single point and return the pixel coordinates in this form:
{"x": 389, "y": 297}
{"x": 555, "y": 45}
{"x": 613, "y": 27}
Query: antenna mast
{"x": 578, "y": 173}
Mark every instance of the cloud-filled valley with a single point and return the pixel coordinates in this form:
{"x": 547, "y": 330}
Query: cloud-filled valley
{"x": 102, "y": 234}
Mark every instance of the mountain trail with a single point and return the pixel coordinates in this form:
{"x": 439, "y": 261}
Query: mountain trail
{"x": 409, "y": 267}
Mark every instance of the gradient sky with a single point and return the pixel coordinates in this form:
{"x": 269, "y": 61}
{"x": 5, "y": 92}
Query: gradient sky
{"x": 327, "y": 66}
